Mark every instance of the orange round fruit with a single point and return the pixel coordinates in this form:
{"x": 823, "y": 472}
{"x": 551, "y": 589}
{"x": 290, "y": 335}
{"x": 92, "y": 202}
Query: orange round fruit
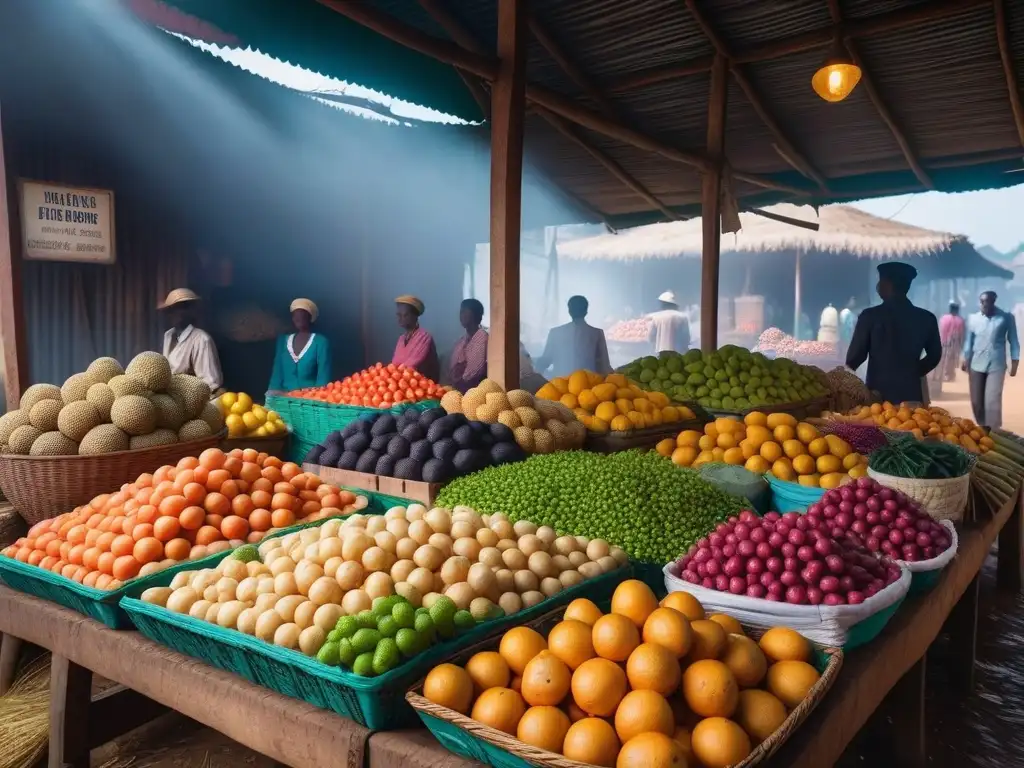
{"x": 449, "y": 686}
{"x": 729, "y": 624}
{"x": 546, "y": 680}
{"x": 745, "y": 660}
{"x": 641, "y": 712}
{"x": 582, "y": 609}
{"x": 784, "y": 644}
{"x": 544, "y": 728}
{"x": 708, "y": 640}
{"x": 685, "y": 603}
{"x": 598, "y": 686}
{"x": 591, "y": 741}
{"x": 519, "y": 645}
{"x": 719, "y": 743}
{"x": 670, "y": 629}
{"x": 615, "y": 637}
{"x": 760, "y": 714}
{"x": 791, "y": 681}
{"x": 653, "y": 667}
{"x": 488, "y": 669}
{"x": 710, "y": 689}
{"x": 571, "y": 642}
{"x": 572, "y": 709}
{"x": 634, "y": 600}
{"x": 651, "y": 750}
{"x": 500, "y": 708}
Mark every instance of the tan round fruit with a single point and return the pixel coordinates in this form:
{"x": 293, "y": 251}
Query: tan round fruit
{"x": 543, "y": 727}
{"x": 500, "y": 708}
{"x": 449, "y": 686}
{"x": 642, "y": 712}
{"x": 591, "y": 741}
{"x": 719, "y": 743}
{"x": 710, "y": 689}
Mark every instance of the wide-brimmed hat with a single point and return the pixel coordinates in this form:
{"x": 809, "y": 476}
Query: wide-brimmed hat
{"x": 178, "y": 296}
{"x": 412, "y": 301}
{"x": 306, "y": 305}
{"x": 668, "y": 297}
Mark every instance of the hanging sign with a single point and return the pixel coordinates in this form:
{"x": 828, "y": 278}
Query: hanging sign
{"x": 62, "y": 223}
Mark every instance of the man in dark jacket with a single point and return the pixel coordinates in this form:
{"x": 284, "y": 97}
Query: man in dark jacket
{"x": 893, "y": 336}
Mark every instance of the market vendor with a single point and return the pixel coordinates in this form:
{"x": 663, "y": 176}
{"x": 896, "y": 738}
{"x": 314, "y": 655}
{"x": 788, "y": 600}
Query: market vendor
{"x": 670, "y": 328}
{"x": 301, "y": 359}
{"x": 188, "y": 348}
{"x": 415, "y": 347}
{"x": 468, "y": 365}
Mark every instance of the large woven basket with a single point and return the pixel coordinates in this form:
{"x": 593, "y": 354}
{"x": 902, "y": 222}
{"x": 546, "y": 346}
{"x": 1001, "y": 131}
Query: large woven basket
{"x": 944, "y": 499}
{"x": 41, "y": 487}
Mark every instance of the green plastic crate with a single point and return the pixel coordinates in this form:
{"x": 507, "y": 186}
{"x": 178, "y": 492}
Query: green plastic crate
{"x": 375, "y": 702}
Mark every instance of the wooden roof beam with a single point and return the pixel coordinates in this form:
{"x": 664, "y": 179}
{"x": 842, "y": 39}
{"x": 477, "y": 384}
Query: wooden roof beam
{"x": 879, "y": 103}
{"x": 789, "y": 150}
{"x": 805, "y": 41}
{"x": 1003, "y": 34}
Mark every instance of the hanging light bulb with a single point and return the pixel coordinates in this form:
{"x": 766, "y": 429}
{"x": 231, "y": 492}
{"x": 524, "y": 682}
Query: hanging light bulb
{"x": 837, "y": 76}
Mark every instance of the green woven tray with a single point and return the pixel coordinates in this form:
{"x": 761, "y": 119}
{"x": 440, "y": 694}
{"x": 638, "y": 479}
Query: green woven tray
{"x": 378, "y": 702}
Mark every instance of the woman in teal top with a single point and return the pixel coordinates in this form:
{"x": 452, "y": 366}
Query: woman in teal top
{"x": 303, "y": 358}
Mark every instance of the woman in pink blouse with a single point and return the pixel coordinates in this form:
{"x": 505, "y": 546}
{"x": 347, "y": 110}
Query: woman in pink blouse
{"x": 469, "y": 357}
{"x": 415, "y": 347}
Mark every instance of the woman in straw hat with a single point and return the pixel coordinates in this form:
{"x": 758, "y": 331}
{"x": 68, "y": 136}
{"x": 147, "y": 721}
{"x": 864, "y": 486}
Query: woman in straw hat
{"x": 188, "y": 348}
{"x": 303, "y": 358}
{"x": 415, "y": 347}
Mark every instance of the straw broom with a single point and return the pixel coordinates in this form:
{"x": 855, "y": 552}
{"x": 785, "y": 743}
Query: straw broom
{"x": 25, "y": 716}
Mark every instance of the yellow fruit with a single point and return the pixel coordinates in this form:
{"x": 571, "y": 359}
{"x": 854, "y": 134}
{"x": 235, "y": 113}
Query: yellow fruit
{"x": 548, "y": 392}
{"x": 598, "y": 686}
{"x": 591, "y": 741}
{"x": 642, "y": 404}
{"x": 784, "y": 644}
{"x": 685, "y": 603}
{"x": 728, "y": 623}
{"x": 704, "y": 457}
{"x": 658, "y": 399}
{"x": 620, "y": 424}
{"x": 733, "y": 456}
{"x": 771, "y": 451}
{"x": 708, "y": 640}
{"x": 260, "y": 431}
{"x": 717, "y": 454}
{"x": 643, "y": 711}
{"x": 500, "y": 708}
{"x": 710, "y": 689}
{"x": 780, "y": 419}
{"x": 791, "y": 681}
{"x": 707, "y": 442}
{"x": 235, "y": 425}
{"x": 851, "y": 460}
{"x": 519, "y": 645}
{"x": 545, "y": 680}
{"x": 758, "y": 435}
{"x": 726, "y": 440}
{"x": 617, "y": 379}
{"x": 829, "y": 463}
{"x": 488, "y": 670}
{"x": 245, "y": 401}
{"x": 861, "y": 470}
{"x": 783, "y": 470}
{"x": 793, "y": 448}
{"x": 670, "y": 629}
{"x": 745, "y": 660}
{"x": 571, "y": 642}
{"x": 757, "y": 464}
{"x": 670, "y": 414}
{"x": 582, "y": 609}
{"x": 760, "y": 714}
{"x": 636, "y": 418}
{"x": 652, "y": 667}
{"x": 227, "y": 400}
{"x": 578, "y": 381}
{"x": 810, "y": 481}
{"x": 755, "y": 418}
{"x": 624, "y": 393}
{"x": 544, "y": 728}
{"x": 238, "y": 408}
{"x": 838, "y": 447}
{"x": 250, "y": 420}
{"x": 598, "y": 425}
{"x": 623, "y": 405}
{"x": 605, "y": 392}
{"x": 711, "y": 431}
{"x": 449, "y": 686}
{"x": 260, "y": 413}
{"x": 803, "y": 465}
{"x": 587, "y": 399}
{"x": 569, "y": 400}
{"x": 818, "y": 447}
{"x": 684, "y": 457}
{"x": 719, "y": 743}
{"x": 725, "y": 425}
{"x": 650, "y": 750}
{"x": 634, "y": 600}
{"x": 665, "y": 447}
{"x": 607, "y": 411}
{"x": 783, "y": 432}
{"x": 806, "y": 433}
{"x": 749, "y": 448}
{"x": 561, "y": 385}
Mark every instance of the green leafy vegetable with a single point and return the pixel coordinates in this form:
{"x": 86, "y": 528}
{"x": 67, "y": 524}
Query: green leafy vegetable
{"x": 906, "y": 456}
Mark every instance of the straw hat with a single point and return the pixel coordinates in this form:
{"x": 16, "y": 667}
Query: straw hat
{"x": 178, "y": 296}
{"x": 412, "y": 301}
{"x": 307, "y": 305}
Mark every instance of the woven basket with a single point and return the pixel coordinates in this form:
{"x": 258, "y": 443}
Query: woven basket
{"x": 42, "y": 487}
{"x": 944, "y": 499}
{"x": 274, "y": 445}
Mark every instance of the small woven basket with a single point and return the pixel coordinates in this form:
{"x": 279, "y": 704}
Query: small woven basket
{"x": 944, "y": 499}
{"x": 41, "y": 487}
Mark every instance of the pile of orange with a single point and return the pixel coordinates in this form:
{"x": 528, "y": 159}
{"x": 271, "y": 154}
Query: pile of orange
{"x": 643, "y": 685}
{"x": 203, "y": 505}
{"x": 379, "y": 386}
{"x": 921, "y": 422}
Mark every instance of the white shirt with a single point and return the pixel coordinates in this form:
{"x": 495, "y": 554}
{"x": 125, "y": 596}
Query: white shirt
{"x": 195, "y": 354}
{"x": 575, "y": 346}
{"x": 671, "y": 331}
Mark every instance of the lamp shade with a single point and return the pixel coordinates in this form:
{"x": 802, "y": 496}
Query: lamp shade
{"x": 837, "y": 76}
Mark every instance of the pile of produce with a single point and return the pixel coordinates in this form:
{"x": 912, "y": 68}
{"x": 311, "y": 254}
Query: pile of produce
{"x": 785, "y": 558}
{"x": 921, "y": 422}
{"x": 731, "y": 379}
{"x": 379, "y": 386}
{"x": 636, "y": 500}
{"x": 848, "y": 391}
{"x": 385, "y": 572}
{"x": 243, "y": 418}
{"x": 904, "y": 456}
{"x": 781, "y": 343}
{"x": 999, "y": 471}
{"x": 880, "y": 519}
{"x": 198, "y": 507}
{"x": 539, "y": 426}
{"x": 637, "y": 330}
{"x": 611, "y": 402}
{"x": 644, "y": 685}
{"x": 774, "y": 442}
{"x": 108, "y": 408}
{"x": 431, "y": 446}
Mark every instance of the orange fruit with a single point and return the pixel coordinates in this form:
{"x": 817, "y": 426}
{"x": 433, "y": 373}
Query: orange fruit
{"x": 759, "y": 713}
{"x": 635, "y": 600}
{"x": 544, "y": 728}
{"x": 572, "y": 709}
{"x": 571, "y": 642}
{"x": 488, "y": 669}
{"x": 598, "y": 686}
{"x": 685, "y": 603}
{"x": 668, "y": 628}
{"x": 449, "y": 686}
{"x": 784, "y": 432}
{"x": 745, "y": 660}
{"x": 546, "y": 680}
{"x": 615, "y": 637}
{"x": 651, "y": 750}
{"x": 803, "y": 465}
{"x": 643, "y": 711}
{"x": 719, "y": 743}
{"x": 519, "y": 645}
{"x": 681, "y": 736}
{"x": 791, "y": 681}
{"x": 591, "y": 741}
{"x": 784, "y": 644}
{"x": 654, "y": 668}
{"x": 783, "y": 469}
{"x": 500, "y": 708}
{"x": 710, "y": 689}
{"x": 728, "y": 623}
{"x": 770, "y": 451}
{"x": 708, "y": 640}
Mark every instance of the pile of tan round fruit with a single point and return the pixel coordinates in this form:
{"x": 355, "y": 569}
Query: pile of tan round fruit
{"x": 482, "y": 563}
{"x": 643, "y": 685}
{"x": 108, "y": 408}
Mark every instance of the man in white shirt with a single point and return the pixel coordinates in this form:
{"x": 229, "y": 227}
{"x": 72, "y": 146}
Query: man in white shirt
{"x": 670, "y": 328}
{"x": 575, "y": 345}
{"x": 189, "y": 349}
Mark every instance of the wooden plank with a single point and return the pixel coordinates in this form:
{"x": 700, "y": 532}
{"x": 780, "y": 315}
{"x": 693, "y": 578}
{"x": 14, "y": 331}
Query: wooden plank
{"x": 117, "y": 711}
{"x": 70, "y": 686}
{"x": 12, "y": 314}
{"x": 711, "y": 205}
{"x": 906, "y": 703}
{"x": 508, "y": 105}
{"x": 1008, "y": 567}
{"x": 1009, "y": 68}
{"x": 10, "y": 653}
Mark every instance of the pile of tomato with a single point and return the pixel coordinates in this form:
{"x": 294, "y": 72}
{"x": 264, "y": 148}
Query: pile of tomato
{"x": 379, "y": 386}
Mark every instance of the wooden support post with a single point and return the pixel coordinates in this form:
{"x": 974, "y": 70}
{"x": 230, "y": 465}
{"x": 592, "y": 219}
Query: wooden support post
{"x": 1008, "y": 567}
{"x": 963, "y": 638}
{"x": 797, "y": 291}
{"x": 906, "y": 704}
{"x": 70, "y": 697}
{"x": 508, "y": 109}
{"x": 12, "y": 316}
{"x": 711, "y": 205}
{"x": 10, "y": 652}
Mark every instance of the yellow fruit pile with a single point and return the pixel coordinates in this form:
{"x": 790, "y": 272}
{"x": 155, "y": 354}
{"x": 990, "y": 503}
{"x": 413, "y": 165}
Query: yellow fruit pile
{"x": 612, "y": 402}
{"x": 922, "y": 422}
{"x": 643, "y": 685}
{"x": 245, "y": 419}
{"x": 773, "y": 442}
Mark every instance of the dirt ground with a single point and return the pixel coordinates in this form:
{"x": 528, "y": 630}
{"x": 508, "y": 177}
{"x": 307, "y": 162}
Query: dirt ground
{"x": 956, "y": 399}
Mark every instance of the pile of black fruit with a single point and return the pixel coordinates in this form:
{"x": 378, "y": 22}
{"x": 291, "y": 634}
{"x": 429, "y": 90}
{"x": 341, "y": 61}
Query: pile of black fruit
{"x": 431, "y": 445}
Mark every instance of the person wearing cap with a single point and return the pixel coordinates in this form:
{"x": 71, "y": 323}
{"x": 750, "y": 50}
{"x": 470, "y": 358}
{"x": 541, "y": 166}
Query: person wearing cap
{"x": 415, "y": 347}
{"x": 899, "y": 341}
{"x": 953, "y": 332}
{"x": 576, "y": 345}
{"x": 301, "y": 359}
{"x": 468, "y": 366}
{"x": 988, "y": 334}
{"x": 188, "y": 348}
{"x": 670, "y": 328}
